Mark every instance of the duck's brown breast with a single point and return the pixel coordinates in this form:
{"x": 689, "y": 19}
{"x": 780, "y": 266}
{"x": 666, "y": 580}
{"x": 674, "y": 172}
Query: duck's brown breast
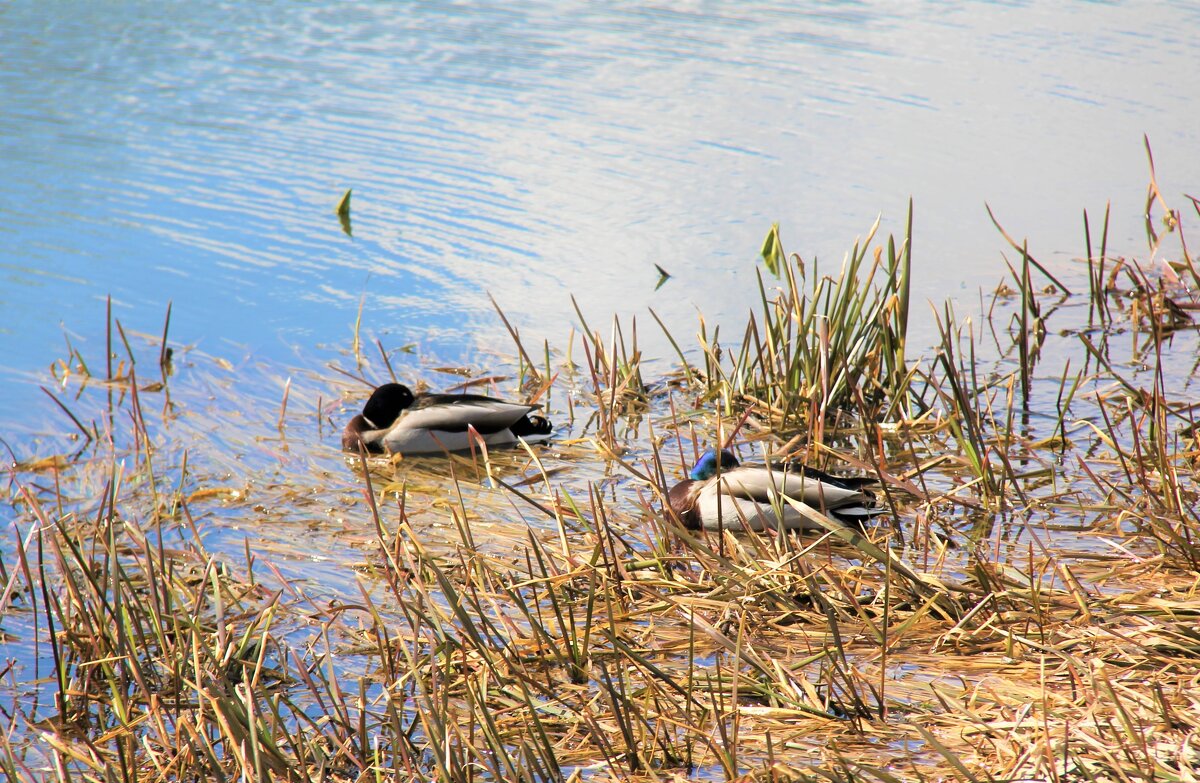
{"x": 682, "y": 499}
{"x": 352, "y": 436}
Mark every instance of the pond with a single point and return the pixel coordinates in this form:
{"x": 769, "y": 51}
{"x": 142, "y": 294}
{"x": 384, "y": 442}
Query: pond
{"x": 557, "y": 158}
{"x": 194, "y": 153}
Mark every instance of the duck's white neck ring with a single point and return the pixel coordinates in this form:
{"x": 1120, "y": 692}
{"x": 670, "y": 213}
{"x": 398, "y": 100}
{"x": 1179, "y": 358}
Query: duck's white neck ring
{"x": 370, "y": 423}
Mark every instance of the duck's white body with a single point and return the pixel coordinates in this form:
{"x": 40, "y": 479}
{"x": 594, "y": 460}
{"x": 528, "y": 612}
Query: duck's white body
{"x": 434, "y": 429}
{"x": 396, "y": 421}
{"x": 750, "y": 498}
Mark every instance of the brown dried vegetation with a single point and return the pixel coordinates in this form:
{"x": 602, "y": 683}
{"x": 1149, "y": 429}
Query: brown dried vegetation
{"x": 206, "y": 590}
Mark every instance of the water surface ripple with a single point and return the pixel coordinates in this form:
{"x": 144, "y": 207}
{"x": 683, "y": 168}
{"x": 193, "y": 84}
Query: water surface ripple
{"x": 194, "y": 152}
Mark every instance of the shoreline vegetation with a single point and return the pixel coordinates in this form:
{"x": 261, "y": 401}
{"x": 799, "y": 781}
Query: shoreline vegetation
{"x": 197, "y": 586}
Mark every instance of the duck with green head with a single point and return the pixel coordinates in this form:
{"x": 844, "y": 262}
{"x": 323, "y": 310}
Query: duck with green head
{"x": 721, "y": 493}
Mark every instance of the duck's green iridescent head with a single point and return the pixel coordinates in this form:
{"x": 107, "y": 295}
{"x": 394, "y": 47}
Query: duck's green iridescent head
{"x": 706, "y": 467}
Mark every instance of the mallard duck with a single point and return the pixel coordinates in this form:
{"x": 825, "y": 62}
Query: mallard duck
{"x": 744, "y": 497}
{"x": 397, "y": 421}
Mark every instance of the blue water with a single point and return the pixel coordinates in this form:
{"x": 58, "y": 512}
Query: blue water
{"x": 194, "y": 152}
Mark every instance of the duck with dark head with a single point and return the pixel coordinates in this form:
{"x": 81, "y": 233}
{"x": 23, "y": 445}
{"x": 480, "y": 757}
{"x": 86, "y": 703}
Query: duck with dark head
{"x": 722, "y": 494}
{"x": 396, "y": 421}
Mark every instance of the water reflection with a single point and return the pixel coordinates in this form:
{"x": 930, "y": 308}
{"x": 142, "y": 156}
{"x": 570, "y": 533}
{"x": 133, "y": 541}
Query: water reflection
{"x": 195, "y": 153}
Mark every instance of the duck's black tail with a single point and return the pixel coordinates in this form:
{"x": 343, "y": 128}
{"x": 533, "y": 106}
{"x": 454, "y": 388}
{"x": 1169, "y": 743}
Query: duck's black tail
{"x": 857, "y": 515}
{"x": 532, "y": 425}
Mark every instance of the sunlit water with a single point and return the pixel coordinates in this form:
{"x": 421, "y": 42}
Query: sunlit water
{"x": 194, "y": 153}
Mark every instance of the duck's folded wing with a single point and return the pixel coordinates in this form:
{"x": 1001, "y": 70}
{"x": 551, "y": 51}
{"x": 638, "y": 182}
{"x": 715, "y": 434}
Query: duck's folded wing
{"x": 760, "y": 484}
{"x": 485, "y": 414}
{"x": 846, "y": 482}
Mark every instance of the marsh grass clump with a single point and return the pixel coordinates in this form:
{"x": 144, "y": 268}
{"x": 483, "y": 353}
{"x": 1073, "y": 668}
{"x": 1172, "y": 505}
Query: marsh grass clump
{"x": 197, "y": 584}
{"x": 821, "y": 345}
